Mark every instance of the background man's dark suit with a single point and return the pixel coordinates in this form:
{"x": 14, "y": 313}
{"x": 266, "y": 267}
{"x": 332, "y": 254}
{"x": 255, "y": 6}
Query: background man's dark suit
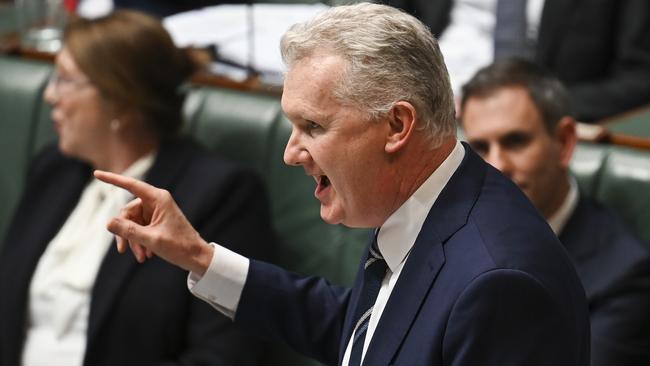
{"x": 615, "y": 270}
{"x": 486, "y": 283}
{"x": 163, "y": 8}
{"x": 140, "y": 314}
{"x": 600, "y": 49}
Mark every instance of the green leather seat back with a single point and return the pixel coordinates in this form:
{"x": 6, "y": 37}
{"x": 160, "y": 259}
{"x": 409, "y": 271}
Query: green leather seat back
{"x": 619, "y": 178}
{"x": 44, "y": 133}
{"x": 21, "y": 108}
{"x": 238, "y": 125}
{"x": 585, "y": 166}
{"x": 7, "y": 18}
{"x": 636, "y": 123}
{"x": 625, "y": 186}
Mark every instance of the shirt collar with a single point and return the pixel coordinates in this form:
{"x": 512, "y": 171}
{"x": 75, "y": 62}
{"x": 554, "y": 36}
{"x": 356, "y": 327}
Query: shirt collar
{"x": 558, "y": 220}
{"x": 397, "y": 235}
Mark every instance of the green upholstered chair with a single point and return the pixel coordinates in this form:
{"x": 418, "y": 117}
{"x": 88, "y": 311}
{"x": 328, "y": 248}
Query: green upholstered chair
{"x": 237, "y": 124}
{"x": 635, "y": 123}
{"x": 21, "y": 108}
{"x": 619, "y": 178}
{"x": 7, "y": 18}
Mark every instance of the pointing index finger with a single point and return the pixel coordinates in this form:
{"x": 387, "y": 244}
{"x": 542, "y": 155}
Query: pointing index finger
{"x": 137, "y": 188}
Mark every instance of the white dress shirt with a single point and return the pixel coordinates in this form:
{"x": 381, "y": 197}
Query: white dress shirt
{"x": 558, "y": 220}
{"x": 222, "y": 284}
{"x": 468, "y": 41}
{"x": 59, "y": 293}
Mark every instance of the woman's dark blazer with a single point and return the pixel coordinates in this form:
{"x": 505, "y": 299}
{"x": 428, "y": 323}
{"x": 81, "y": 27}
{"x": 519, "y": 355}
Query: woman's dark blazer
{"x": 140, "y": 314}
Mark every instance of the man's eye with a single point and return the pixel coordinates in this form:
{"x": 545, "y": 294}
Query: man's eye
{"x": 516, "y": 141}
{"x": 311, "y": 125}
{"x": 480, "y": 147}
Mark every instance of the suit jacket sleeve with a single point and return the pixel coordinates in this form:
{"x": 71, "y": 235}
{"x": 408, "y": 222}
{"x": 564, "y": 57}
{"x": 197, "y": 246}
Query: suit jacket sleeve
{"x": 507, "y": 317}
{"x": 307, "y": 313}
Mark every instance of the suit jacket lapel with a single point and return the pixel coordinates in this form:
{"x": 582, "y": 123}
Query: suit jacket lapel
{"x": 348, "y": 324}
{"x": 580, "y": 243}
{"x": 449, "y": 213}
{"x": 116, "y": 268}
{"x": 556, "y": 16}
{"x": 419, "y": 273}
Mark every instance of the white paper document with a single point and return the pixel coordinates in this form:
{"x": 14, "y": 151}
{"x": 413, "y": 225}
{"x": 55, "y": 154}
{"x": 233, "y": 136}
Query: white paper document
{"x": 248, "y": 35}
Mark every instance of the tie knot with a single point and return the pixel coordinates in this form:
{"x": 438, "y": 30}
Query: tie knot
{"x": 374, "y": 250}
{"x": 373, "y": 253}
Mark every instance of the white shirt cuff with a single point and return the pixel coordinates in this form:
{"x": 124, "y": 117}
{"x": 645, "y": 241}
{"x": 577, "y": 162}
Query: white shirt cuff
{"x": 222, "y": 284}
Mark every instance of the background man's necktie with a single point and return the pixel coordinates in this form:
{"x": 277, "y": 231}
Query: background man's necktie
{"x": 375, "y": 270}
{"x": 510, "y": 30}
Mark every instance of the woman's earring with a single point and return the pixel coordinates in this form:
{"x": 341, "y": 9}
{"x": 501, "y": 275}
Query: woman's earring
{"x": 115, "y": 125}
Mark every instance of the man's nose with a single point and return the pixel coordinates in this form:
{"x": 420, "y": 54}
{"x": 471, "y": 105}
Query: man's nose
{"x": 294, "y": 152}
{"x": 499, "y": 159}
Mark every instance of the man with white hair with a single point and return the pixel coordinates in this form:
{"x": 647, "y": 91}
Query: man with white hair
{"x": 462, "y": 270}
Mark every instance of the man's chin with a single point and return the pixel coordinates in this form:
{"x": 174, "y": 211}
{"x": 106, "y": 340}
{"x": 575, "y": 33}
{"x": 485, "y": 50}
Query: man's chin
{"x": 329, "y": 216}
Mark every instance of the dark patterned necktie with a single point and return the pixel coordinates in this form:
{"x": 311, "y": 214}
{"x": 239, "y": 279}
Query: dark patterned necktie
{"x": 374, "y": 272}
{"x": 510, "y": 30}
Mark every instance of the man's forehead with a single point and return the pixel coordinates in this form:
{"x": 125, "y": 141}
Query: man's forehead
{"x": 318, "y": 65}
{"x": 311, "y": 82}
{"x": 505, "y": 107}
{"x": 498, "y": 128}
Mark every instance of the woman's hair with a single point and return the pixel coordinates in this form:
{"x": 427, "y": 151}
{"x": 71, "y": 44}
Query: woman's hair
{"x": 133, "y": 61}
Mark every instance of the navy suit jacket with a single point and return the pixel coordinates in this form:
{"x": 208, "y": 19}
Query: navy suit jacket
{"x": 486, "y": 283}
{"x": 615, "y": 270}
{"x": 140, "y": 314}
{"x": 600, "y": 49}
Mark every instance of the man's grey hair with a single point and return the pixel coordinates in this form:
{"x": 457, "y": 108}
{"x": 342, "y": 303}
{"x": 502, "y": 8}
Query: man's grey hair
{"x": 390, "y": 57}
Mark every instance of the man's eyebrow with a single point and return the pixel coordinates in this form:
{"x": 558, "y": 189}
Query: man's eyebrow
{"x": 514, "y": 134}
{"x": 476, "y": 140}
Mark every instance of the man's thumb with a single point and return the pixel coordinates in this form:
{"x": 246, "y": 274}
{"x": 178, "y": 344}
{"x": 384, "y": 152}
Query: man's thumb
{"x": 129, "y": 230}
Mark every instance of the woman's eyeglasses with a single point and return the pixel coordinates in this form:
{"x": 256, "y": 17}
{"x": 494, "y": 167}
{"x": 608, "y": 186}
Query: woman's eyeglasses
{"x": 66, "y": 85}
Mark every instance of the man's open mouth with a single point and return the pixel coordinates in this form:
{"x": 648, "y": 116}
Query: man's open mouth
{"x": 323, "y": 183}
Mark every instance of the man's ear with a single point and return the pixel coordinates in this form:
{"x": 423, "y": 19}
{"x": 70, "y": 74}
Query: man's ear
{"x": 565, "y": 133}
{"x": 401, "y": 122}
